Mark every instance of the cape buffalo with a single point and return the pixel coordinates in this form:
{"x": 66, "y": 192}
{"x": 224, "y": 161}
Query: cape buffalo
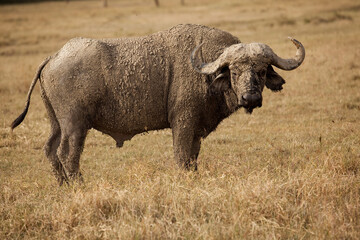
{"x": 188, "y": 78}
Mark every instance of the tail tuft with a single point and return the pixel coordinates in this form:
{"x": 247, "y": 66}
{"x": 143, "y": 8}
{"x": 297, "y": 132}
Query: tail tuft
{"x": 20, "y": 118}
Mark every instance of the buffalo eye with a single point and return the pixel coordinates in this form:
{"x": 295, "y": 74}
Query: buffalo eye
{"x": 234, "y": 74}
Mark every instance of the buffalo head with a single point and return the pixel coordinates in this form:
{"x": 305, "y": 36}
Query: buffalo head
{"x": 246, "y": 69}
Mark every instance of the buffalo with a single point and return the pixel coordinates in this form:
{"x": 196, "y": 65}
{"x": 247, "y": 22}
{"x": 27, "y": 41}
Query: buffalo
{"x": 188, "y": 78}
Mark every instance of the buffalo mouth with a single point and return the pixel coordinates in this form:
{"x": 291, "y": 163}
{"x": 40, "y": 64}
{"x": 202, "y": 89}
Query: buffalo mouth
{"x": 247, "y": 109}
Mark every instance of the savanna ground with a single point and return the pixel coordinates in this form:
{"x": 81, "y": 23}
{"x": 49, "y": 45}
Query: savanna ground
{"x": 291, "y": 170}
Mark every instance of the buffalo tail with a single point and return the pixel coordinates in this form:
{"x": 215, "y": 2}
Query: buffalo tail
{"x": 21, "y": 117}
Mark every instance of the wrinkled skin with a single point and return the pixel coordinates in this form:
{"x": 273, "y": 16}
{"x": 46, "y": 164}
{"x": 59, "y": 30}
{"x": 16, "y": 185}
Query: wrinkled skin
{"x": 123, "y": 87}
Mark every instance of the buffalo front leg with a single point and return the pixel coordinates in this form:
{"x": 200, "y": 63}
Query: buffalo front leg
{"x": 195, "y": 149}
{"x": 186, "y": 146}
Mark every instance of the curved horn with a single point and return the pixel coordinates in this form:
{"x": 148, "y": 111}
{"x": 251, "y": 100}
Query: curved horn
{"x": 290, "y": 64}
{"x": 206, "y": 68}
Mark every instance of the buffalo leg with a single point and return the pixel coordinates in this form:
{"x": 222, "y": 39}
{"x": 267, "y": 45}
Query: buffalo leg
{"x": 195, "y": 151}
{"x": 186, "y": 148}
{"x": 53, "y": 142}
{"x": 71, "y": 146}
{"x": 50, "y": 152}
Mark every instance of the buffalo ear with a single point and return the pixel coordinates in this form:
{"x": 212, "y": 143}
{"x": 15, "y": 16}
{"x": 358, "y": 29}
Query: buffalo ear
{"x": 221, "y": 83}
{"x": 273, "y": 80}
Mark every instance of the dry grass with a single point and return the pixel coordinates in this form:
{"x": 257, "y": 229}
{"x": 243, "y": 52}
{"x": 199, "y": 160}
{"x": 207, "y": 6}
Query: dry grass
{"x": 289, "y": 171}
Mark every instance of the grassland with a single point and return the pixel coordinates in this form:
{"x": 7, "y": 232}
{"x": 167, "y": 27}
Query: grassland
{"x": 291, "y": 170}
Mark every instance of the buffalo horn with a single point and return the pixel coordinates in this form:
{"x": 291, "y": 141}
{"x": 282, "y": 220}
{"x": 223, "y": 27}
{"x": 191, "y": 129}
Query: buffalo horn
{"x": 290, "y": 64}
{"x": 206, "y": 68}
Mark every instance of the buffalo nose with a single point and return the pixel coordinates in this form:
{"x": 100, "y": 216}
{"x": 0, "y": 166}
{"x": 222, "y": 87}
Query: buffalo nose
{"x": 252, "y": 99}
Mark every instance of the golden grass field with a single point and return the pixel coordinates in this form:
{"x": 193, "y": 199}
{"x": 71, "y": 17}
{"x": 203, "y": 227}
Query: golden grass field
{"x": 291, "y": 170}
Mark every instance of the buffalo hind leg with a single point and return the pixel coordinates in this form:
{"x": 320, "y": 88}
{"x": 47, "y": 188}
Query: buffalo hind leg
{"x": 53, "y": 142}
{"x": 50, "y": 151}
{"x": 70, "y": 149}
